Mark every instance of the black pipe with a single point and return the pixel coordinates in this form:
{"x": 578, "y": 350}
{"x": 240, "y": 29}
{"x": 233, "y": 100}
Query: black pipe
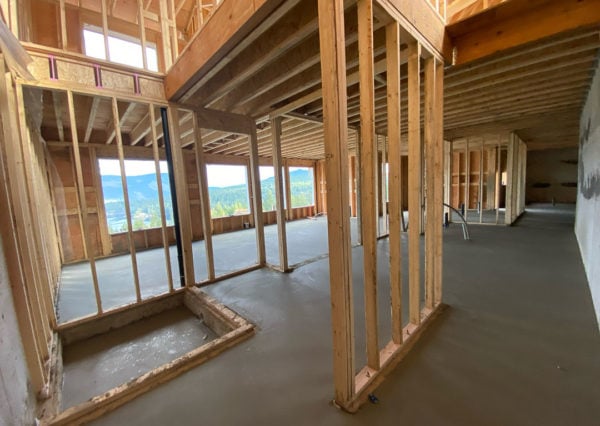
{"x": 165, "y": 126}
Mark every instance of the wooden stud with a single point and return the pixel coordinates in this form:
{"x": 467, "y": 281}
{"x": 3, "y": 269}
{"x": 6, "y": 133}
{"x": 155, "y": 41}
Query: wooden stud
{"x": 277, "y": 167}
{"x": 438, "y": 181}
{"x": 430, "y": 145}
{"x": 359, "y": 204}
{"x": 288, "y": 191}
{"x": 256, "y": 198}
{"x": 142, "y": 28}
{"x": 39, "y": 249}
{"x": 102, "y": 221}
{"x": 117, "y": 129}
{"x": 414, "y": 181}
{"x": 105, "y": 28}
{"x": 204, "y": 201}
{"x": 91, "y": 118}
{"x": 369, "y": 175}
{"x": 63, "y": 25}
{"x": 185, "y": 222}
{"x": 82, "y": 200}
{"x": 9, "y": 214}
{"x": 161, "y": 201}
{"x": 467, "y": 178}
{"x": 481, "y": 183}
{"x": 165, "y": 35}
{"x": 395, "y": 159}
{"x": 333, "y": 70}
{"x": 384, "y": 179}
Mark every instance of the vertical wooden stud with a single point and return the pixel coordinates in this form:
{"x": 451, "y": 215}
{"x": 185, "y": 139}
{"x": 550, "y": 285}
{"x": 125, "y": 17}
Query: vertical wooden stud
{"x": 204, "y": 201}
{"x": 392, "y": 39}
{"x": 117, "y": 128}
{"x": 256, "y": 197}
{"x": 430, "y": 146}
{"x": 369, "y": 176}
{"x": 183, "y": 202}
{"x": 277, "y": 167}
{"x": 414, "y": 181}
{"x": 142, "y": 28}
{"x": 82, "y": 200}
{"x": 438, "y": 182}
{"x": 161, "y": 201}
{"x": 335, "y": 120}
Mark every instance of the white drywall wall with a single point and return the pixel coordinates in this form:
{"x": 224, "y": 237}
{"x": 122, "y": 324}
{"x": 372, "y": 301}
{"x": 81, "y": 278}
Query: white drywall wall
{"x": 587, "y": 223}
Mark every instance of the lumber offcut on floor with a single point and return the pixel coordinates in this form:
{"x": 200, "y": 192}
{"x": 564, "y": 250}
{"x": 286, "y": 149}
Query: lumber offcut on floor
{"x": 518, "y": 346}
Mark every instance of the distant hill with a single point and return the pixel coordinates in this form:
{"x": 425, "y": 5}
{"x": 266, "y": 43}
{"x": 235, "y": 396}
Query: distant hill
{"x": 225, "y": 201}
{"x": 142, "y": 187}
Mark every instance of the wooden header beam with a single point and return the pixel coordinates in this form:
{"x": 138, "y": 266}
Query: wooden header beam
{"x": 230, "y": 24}
{"x": 224, "y": 121}
{"x": 517, "y": 22}
{"x": 422, "y": 23}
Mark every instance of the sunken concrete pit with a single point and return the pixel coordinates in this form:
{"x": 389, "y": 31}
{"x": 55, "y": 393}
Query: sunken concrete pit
{"x": 104, "y": 362}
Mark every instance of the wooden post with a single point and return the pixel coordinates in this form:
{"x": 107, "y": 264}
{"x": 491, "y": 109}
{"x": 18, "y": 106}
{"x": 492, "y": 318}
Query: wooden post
{"x": 510, "y": 181}
{"x": 165, "y": 34}
{"x": 369, "y": 175}
{"x": 277, "y": 166}
{"x": 183, "y": 201}
{"x": 105, "y": 28}
{"x": 392, "y": 39}
{"x": 103, "y": 224}
{"x": 498, "y": 180}
{"x": 335, "y": 129}
{"x": 63, "y": 25}
{"x": 117, "y": 126}
{"x": 10, "y": 213}
{"x": 438, "y": 181}
{"x": 256, "y": 197}
{"x": 352, "y": 185}
{"x": 481, "y": 183}
{"x": 161, "y": 201}
{"x": 204, "y": 200}
{"x": 359, "y": 183}
{"x": 142, "y": 26}
{"x": 414, "y": 181}
{"x": 288, "y": 191}
{"x": 384, "y": 210}
{"x": 467, "y": 179}
{"x": 82, "y": 200}
{"x": 37, "y": 252}
{"x": 430, "y": 144}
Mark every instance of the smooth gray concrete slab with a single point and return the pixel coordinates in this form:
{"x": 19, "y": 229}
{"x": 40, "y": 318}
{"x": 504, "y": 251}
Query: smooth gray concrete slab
{"x": 96, "y": 365}
{"x": 519, "y": 344}
{"x": 234, "y": 251}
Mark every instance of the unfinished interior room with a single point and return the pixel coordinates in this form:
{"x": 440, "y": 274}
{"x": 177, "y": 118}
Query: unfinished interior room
{"x": 302, "y": 212}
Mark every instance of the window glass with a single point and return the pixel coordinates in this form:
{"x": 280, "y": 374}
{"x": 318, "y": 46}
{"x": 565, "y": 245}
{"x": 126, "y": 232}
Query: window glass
{"x": 142, "y": 188}
{"x": 227, "y": 190}
{"x": 302, "y": 186}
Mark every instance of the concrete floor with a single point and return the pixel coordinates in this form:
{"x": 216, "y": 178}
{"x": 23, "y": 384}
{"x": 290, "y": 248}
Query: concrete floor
{"x": 518, "y": 346}
{"x": 96, "y": 365}
{"x": 307, "y": 239}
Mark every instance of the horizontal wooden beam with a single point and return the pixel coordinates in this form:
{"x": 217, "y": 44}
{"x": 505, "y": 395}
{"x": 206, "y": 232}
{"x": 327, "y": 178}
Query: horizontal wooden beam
{"x": 224, "y": 121}
{"x": 420, "y": 20}
{"x": 230, "y": 23}
{"x": 517, "y": 22}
